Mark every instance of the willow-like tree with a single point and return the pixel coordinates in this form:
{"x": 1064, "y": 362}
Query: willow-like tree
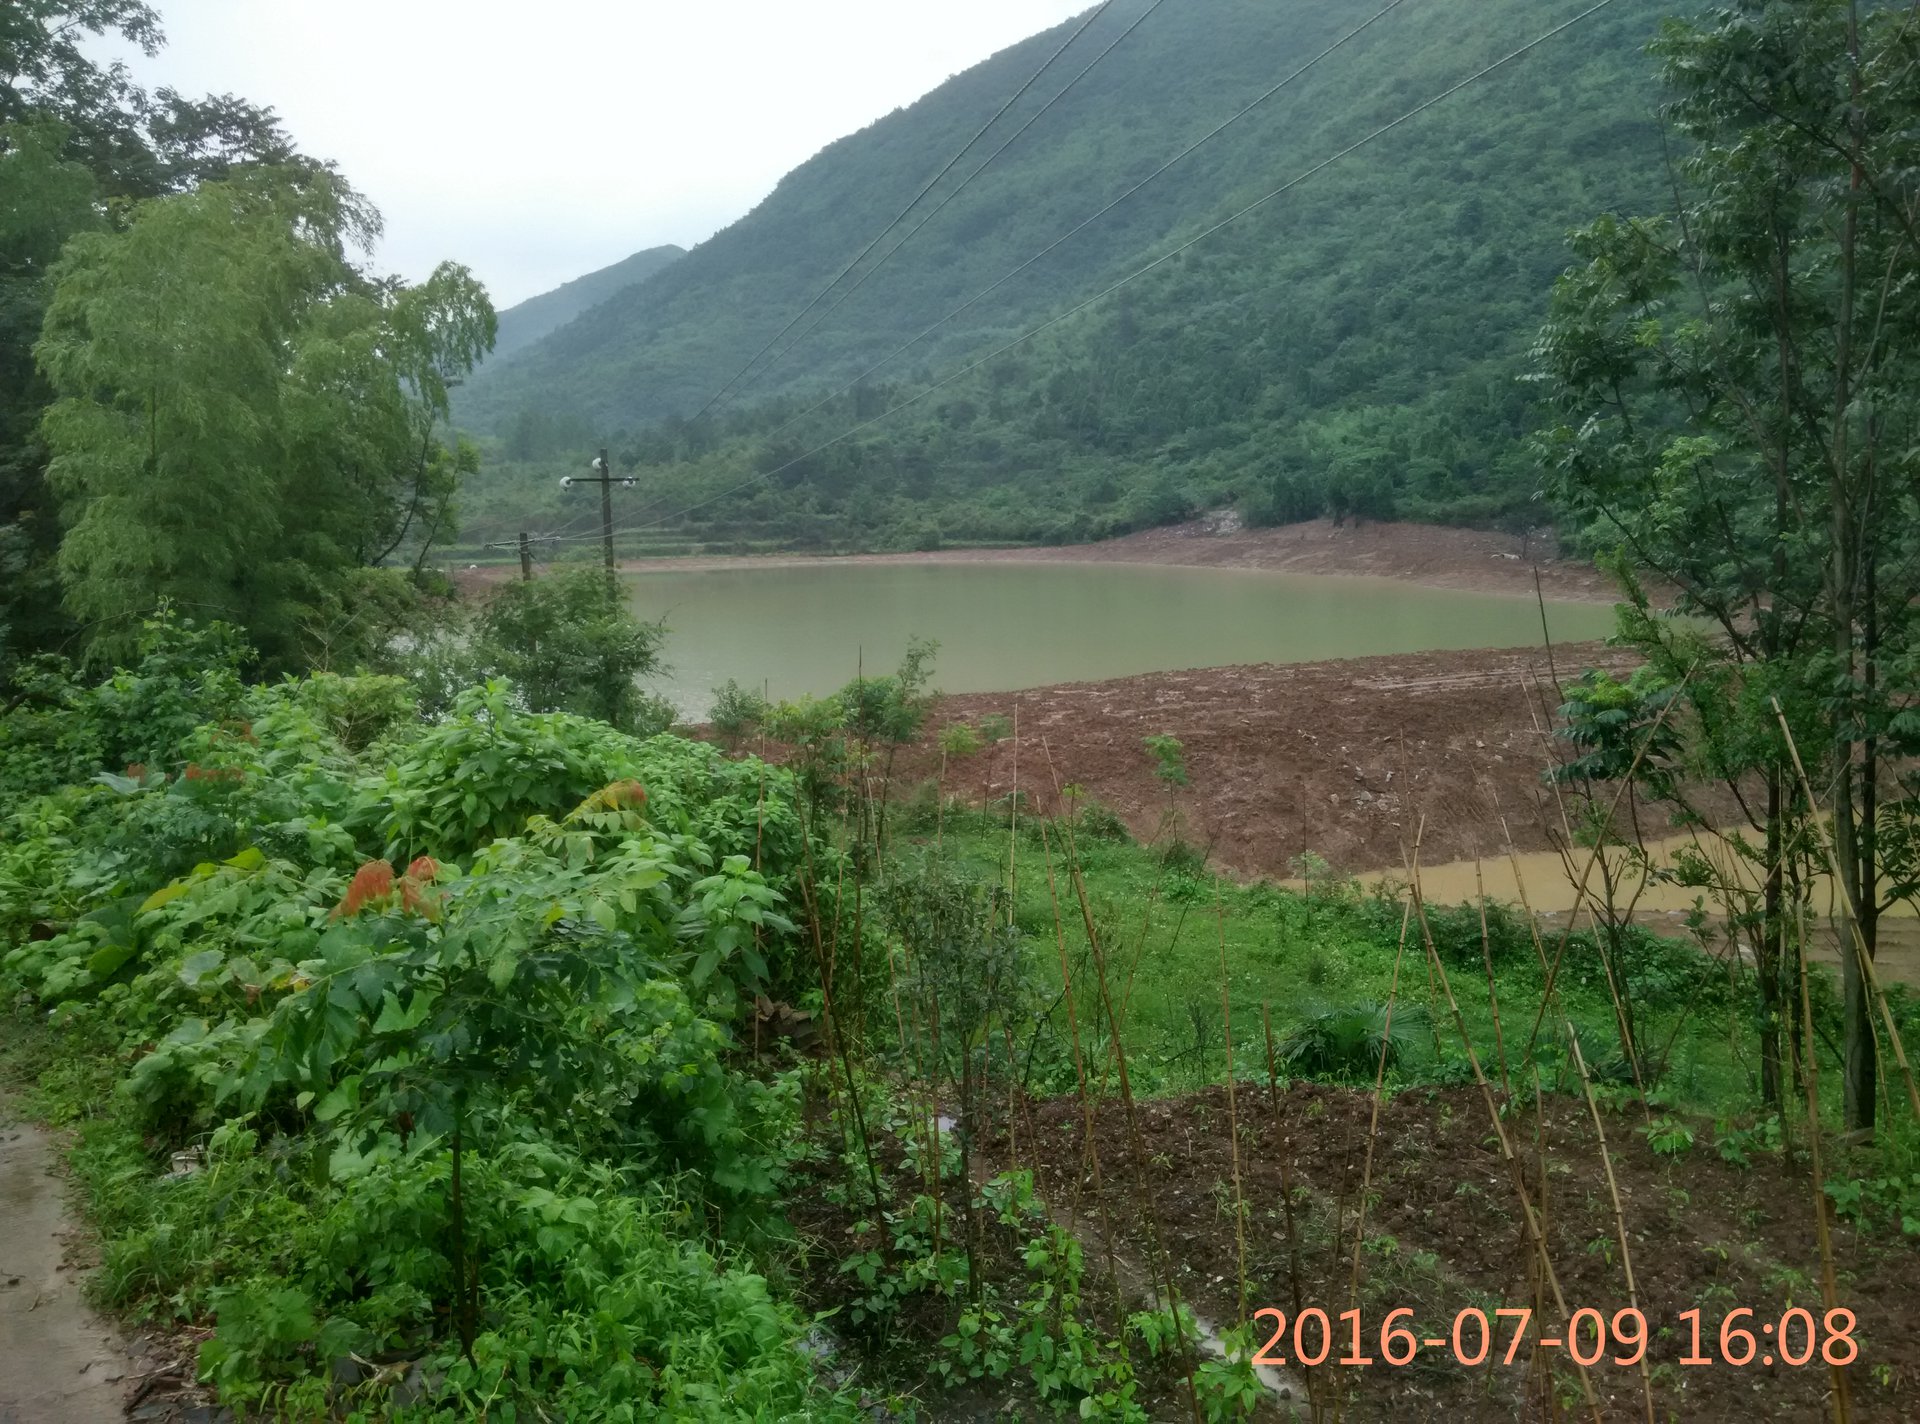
{"x": 244, "y": 420}
{"x": 1739, "y": 389}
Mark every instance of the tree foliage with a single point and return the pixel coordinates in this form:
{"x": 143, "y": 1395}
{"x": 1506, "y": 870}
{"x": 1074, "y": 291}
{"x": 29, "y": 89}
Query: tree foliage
{"x": 80, "y": 145}
{"x": 568, "y": 646}
{"x": 242, "y": 418}
{"x": 1736, "y": 385}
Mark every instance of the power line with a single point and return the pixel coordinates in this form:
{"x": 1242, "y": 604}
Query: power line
{"x": 933, "y": 213}
{"x": 902, "y": 214}
{"x": 1067, "y": 236}
{"x": 1075, "y": 231}
{"x": 1139, "y": 272}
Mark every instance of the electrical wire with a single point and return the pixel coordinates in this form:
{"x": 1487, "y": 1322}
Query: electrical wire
{"x": 902, "y": 214}
{"x": 937, "y": 208}
{"x": 1133, "y": 276}
{"x": 1082, "y": 226}
{"x": 981, "y": 295}
{"x": 985, "y": 292}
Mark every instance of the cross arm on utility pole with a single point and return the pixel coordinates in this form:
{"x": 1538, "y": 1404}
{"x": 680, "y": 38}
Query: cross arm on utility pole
{"x": 603, "y": 476}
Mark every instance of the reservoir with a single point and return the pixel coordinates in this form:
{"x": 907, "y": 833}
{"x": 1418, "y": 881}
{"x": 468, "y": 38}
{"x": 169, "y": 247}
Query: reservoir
{"x": 799, "y": 629}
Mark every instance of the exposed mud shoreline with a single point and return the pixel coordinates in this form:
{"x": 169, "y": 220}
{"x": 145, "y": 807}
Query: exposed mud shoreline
{"x": 1417, "y": 553}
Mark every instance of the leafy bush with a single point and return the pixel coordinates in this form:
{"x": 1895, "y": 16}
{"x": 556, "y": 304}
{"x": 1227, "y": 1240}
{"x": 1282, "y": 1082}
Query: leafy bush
{"x": 1348, "y": 1043}
{"x": 1098, "y": 822}
{"x": 737, "y": 711}
{"x": 59, "y": 731}
{"x": 1456, "y": 931}
{"x": 488, "y": 767}
{"x": 473, "y": 1115}
{"x": 570, "y": 646}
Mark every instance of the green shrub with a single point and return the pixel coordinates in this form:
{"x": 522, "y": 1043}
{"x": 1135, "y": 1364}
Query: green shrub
{"x": 1348, "y": 1043}
{"x": 737, "y": 711}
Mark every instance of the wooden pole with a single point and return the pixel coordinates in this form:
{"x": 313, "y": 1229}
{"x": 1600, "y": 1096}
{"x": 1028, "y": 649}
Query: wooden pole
{"x": 606, "y": 521}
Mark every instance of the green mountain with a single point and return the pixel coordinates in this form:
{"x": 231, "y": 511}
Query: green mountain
{"x": 1351, "y": 345}
{"x": 526, "y": 323}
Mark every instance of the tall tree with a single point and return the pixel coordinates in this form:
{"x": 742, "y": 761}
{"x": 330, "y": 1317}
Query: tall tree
{"x": 242, "y": 417}
{"x": 1739, "y": 385}
{"x": 44, "y": 199}
{"x": 80, "y": 144}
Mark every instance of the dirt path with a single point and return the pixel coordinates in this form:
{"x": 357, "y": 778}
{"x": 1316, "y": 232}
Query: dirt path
{"x": 59, "y": 1362}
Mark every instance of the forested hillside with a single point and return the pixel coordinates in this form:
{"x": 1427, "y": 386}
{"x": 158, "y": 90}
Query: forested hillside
{"x": 1353, "y": 344}
{"x": 527, "y": 322}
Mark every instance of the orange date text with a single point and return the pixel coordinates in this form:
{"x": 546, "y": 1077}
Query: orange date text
{"x": 1590, "y": 1337}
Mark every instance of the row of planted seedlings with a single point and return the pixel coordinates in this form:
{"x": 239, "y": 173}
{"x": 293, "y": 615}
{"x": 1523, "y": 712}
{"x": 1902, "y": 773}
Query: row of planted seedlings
{"x": 947, "y": 1265}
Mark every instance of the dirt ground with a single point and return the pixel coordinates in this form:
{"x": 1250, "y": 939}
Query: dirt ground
{"x": 1444, "y": 1232}
{"x": 58, "y": 1360}
{"x": 1337, "y": 758}
{"x": 1418, "y": 553}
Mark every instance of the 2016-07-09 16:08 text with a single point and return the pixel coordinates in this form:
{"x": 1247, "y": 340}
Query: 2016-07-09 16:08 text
{"x": 1798, "y": 1337}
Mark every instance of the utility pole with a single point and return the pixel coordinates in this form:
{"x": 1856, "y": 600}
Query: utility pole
{"x": 603, "y": 476}
{"x": 525, "y": 545}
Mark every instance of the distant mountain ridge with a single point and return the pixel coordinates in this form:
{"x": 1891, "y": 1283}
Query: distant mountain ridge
{"x": 1354, "y": 343}
{"x": 526, "y": 322}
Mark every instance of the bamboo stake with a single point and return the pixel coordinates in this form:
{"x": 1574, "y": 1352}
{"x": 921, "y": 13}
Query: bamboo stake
{"x": 1829, "y": 1287}
{"x": 1013, "y": 823}
{"x": 1307, "y": 1374}
{"x": 829, "y": 1021}
{"x": 1533, "y": 1219}
{"x": 1233, "y": 1114}
{"x": 1493, "y": 995}
{"x": 1520, "y": 885}
{"x": 1853, "y": 923}
{"x": 1091, "y": 1143}
{"x": 1126, "y": 1095}
{"x": 1373, "y": 1124}
{"x": 1619, "y": 1214}
{"x": 1379, "y": 1082}
{"x": 1013, "y": 1086}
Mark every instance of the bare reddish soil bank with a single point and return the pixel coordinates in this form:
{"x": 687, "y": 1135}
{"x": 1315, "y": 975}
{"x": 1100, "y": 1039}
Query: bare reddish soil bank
{"x": 1338, "y": 758}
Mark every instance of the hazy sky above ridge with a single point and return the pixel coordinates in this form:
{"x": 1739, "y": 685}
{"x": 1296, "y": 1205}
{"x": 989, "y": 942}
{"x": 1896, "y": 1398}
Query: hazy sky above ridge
{"x": 538, "y": 142}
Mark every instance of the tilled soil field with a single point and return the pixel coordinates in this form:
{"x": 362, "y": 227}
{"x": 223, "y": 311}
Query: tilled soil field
{"x": 1444, "y": 1232}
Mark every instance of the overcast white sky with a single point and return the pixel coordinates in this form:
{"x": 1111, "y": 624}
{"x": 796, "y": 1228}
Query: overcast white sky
{"x": 537, "y": 141}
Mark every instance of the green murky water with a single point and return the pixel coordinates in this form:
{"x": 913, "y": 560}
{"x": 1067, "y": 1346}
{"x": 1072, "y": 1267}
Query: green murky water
{"x": 807, "y": 629}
